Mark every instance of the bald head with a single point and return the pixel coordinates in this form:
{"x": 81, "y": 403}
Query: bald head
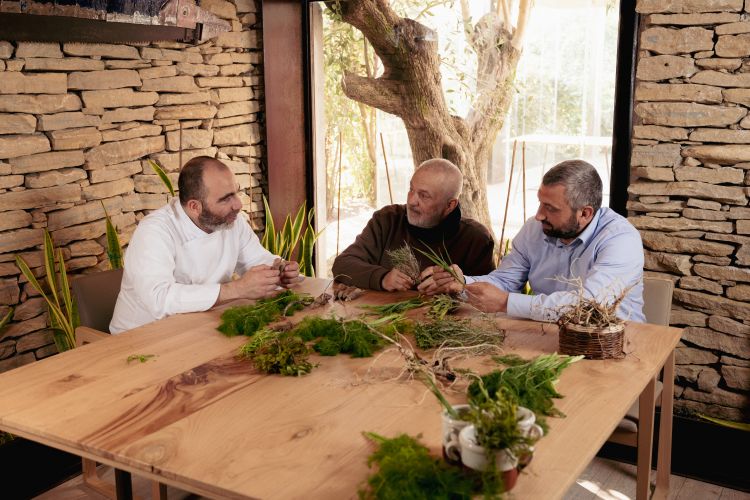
{"x": 450, "y": 177}
{"x": 190, "y": 183}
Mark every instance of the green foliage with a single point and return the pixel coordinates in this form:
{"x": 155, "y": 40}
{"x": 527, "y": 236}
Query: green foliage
{"x": 140, "y": 357}
{"x": 292, "y": 236}
{"x": 495, "y": 419}
{"x": 442, "y": 305}
{"x": 114, "y": 249}
{"x": 396, "y": 307}
{"x": 336, "y": 336}
{"x": 162, "y": 175}
{"x": 457, "y": 333}
{"x": 287, "y": 352}
{"x": 345, "y": 50}
{"x": 246, "y": 320}
{"x": 275, "y": 352}
{"x": 406, "y": 471}
{"x": 440, "y": 259}
{"x": 529, "y": 383}
{"x": 62, "y": 313}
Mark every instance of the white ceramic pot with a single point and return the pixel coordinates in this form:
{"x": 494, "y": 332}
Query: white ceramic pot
{"x": 474, "y": 457}
{"x": 451, "y": 428}
{"x": 472, "y": 453}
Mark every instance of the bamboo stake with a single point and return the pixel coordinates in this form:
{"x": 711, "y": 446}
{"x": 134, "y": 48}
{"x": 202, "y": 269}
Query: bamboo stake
{"x": 338, "y": 204}
{"x": 387, "y": 173}
{"x": 523, "y": 171}
{"x": 507, "y": 199}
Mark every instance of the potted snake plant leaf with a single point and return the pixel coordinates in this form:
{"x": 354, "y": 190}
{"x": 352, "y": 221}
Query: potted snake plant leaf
{"x": 63, "y": 316}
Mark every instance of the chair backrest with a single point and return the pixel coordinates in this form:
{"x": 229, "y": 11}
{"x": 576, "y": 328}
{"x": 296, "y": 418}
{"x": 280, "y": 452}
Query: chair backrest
{"x": 96, "y": 295}
{"x": 657, "y": 300}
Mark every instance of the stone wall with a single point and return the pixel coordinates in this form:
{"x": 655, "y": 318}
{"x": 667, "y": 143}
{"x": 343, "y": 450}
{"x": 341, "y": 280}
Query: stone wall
{"x": 77, "y": 123}
{"x": 689, "y": 194}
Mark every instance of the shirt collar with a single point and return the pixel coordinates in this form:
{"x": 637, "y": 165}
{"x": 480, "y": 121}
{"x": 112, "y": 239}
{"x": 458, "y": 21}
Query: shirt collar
{"x": 191, "y": 230}
{"x": 585, "y": 235}
{"x": 588, "y": 233}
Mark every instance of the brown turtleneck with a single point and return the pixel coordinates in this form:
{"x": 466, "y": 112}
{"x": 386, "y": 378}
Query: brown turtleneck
{"x": 365, "y": 262}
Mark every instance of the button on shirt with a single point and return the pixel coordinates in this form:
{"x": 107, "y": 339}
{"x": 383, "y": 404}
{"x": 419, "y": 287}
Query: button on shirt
{"x": 607, "y": 256}
{"x": 172, "y": 266}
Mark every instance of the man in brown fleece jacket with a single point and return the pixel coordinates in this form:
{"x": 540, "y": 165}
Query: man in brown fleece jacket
{"x": 432, "y": 217}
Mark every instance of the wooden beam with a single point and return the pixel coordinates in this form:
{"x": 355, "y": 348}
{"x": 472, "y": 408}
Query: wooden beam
{"x": 285, "y": 74}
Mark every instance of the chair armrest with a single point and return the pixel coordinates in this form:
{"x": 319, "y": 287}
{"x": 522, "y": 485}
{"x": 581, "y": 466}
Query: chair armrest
{"x": 86, "y": 335}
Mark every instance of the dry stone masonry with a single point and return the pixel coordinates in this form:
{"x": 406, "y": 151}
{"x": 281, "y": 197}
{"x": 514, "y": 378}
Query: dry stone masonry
{"x": 689, "y": 197}
{"x": 77, "y": 125}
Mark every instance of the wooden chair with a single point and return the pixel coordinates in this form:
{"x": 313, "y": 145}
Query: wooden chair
{"x": 657, "y": 299}
{"x": 96, "y": 295}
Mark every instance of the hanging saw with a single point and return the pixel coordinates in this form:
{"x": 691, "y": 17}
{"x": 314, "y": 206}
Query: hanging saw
{"x": 107, "y": 21}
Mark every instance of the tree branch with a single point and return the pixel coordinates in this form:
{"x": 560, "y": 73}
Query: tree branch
{"x": 376, "y": 92}
{"x": 524, "y": 11}
{"x": 466, "y": 19}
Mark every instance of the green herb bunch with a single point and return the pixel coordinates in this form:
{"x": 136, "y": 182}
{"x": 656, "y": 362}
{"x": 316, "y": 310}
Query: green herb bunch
{"x": 442, "y": 260}
{"x": 442, "y": 305}
{"x": 529, "y": 383}
{"x": 407, "y": 471}
{"x": 404, "y": 260}
{"x": 495, "y": 418}
{"x": 355, "y": 337}
{"x": 246, "y": 320}
{"x": 278, "y": 352}
{"x": 396, "y": 307}
{"x": 287, "y": 352}
{"x": 456, "y": 333}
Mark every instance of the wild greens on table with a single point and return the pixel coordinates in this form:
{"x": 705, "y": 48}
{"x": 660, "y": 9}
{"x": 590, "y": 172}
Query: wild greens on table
{"x": 246, "y": 320}
{"x": 406, "y": 470}
{"x": 287, "y": 351}
{"x": 530, "y": 382}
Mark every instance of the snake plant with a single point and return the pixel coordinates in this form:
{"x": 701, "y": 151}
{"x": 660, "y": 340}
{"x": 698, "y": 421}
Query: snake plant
{"x": 62, "y": 313}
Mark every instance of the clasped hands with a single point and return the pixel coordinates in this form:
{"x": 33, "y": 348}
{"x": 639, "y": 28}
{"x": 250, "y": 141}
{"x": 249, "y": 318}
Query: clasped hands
{"x": 484, "y": 296}
{"x": 262, "y": 281}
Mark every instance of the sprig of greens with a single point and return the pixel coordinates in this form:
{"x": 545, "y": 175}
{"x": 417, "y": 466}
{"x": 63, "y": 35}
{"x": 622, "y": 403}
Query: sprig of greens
{"x": 443, "y": 261}
{"x": 530, "y": 382}
{"x": 140, "y": 357}
{"x": 396, "y": 307}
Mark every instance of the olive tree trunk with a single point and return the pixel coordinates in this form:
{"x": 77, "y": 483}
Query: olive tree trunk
{"x": 411, "y": 87}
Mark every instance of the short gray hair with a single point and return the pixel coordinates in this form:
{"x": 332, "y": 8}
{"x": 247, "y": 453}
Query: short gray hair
{"x": 454, "y": 179}
{"x": 583, "y": 186}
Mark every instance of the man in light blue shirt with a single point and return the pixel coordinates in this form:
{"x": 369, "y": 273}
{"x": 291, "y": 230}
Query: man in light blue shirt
{"x": 572, "y": 241}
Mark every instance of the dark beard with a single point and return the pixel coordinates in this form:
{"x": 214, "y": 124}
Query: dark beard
{"x": 568, "y": 231}
{"x": 211, "y": 221}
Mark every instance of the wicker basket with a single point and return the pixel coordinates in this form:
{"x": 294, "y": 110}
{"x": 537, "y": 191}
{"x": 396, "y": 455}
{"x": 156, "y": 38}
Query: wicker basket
{"x": 593, "y": 342}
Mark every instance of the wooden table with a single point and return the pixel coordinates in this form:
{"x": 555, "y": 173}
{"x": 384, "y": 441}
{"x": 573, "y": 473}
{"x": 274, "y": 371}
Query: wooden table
{"x": 197, "y": 418}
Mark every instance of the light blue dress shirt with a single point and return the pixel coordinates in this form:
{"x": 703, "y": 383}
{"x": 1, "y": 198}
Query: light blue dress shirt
{"x": 607, "y": 256}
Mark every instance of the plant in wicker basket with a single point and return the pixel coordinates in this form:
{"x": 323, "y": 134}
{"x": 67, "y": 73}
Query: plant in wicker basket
{"x": 591, "y": 328}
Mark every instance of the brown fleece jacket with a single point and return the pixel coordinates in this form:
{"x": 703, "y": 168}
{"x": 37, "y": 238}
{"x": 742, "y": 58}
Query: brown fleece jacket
{"x": 365, "y": 262}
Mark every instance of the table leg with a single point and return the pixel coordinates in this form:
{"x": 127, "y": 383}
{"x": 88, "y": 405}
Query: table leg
{"x": 123, "y": 485}
{"x": 646, "y": 407}
{"x": 664, "y": 460}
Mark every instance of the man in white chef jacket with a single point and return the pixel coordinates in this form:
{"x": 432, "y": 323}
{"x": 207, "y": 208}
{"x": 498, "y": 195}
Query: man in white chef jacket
{"x": 182, "y": 257}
